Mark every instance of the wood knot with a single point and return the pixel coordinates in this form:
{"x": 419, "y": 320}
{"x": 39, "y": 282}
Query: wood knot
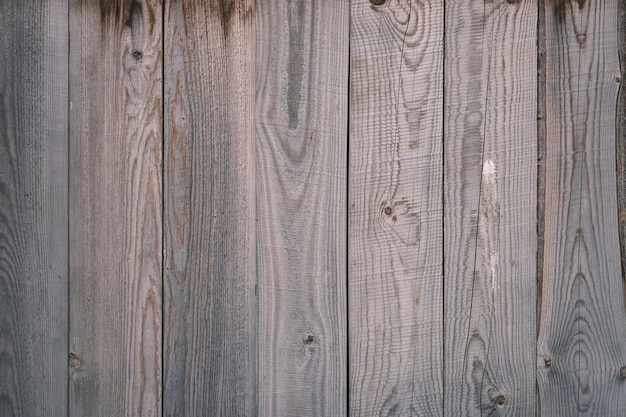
{"x": 500, "y": 400}
{"x": 378, "y": 2}
{"x": 137, "y": 55}
{"x": 388, "y": 210}
{"x": 547, "y": 362}
{"x": 622, "y": 372}
{"x": 74, "y": 361}
{"x": 309, "y": 340}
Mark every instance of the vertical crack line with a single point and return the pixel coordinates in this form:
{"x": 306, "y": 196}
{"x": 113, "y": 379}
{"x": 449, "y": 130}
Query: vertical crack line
{"x": 164, "y": 4}
{"x": 443, "y": 211}
{"x": 347, "y": 226}
{"x": 68, "y": 202}
{"x": 580, "y": 193}
{"x": 541, "y": 175}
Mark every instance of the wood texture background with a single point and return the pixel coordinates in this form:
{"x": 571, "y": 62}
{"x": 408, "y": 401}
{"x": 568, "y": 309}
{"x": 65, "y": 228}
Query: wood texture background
{"x": 115, "y": 208}
{"x": 395, "y": 208}
{"x": 582, "y": 341}
{"x": 34, "y": 47}
{"x": 490, "y": 204}
{"x": 301, "y": 102}
{"x": 328, "y": 208}
{"x": 210, "y": 304}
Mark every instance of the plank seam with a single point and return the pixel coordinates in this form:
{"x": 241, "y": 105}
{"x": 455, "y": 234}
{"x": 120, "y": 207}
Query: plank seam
{"x": 541, "y": 178}
{"x": 347, "y": 225}
{"x": 69, "y": 222}
{"x": 443, "y": 217}
{"x": 164, "y": 4}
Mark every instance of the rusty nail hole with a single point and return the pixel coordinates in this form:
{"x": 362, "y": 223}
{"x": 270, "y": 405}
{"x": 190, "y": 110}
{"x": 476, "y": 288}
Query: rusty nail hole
{"x": 622, "y": 372}
{"x": 309, "y": 339}
{"x": 378, "y": 2}
{"x": 388, "y": 210}
{"x": 137, "y": 55}
{"x": 500, "y": 400}
{"x": 547, "y": 362}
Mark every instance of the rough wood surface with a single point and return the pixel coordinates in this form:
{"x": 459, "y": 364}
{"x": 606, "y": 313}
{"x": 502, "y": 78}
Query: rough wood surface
{"x": 395, "y": 208}
{"x": 582, "y": 340}
{"x": 490, "y": 208}
{"x": 301, "y": 166}
{"x": 115, "y": 208}
{"x": 33, "y": 208}
{"x": 210, "y": 304}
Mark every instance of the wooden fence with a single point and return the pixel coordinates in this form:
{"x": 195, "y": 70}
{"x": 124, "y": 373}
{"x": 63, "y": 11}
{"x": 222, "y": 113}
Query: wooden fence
{"x": 312, "y": 208}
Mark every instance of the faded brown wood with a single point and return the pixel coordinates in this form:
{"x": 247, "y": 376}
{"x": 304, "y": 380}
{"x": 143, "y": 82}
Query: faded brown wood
{"x": 33, "y": 208}
{"x": 582, "y": 340}
{"x": 301, "y": 166}
{"x": 490, "y": 208}
{"x": 395, "y": 208}
{"x": 209, "y": 214}
{"x": 115, "y": 208}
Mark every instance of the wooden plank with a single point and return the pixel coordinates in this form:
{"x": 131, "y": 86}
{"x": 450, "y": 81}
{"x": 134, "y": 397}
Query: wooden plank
{"x": 210, "y": 304}
{"x": 582, "y": 339}
{"x": 33, "y": 208}
{"x": 301, "y": 160}
{"x": 620, "y": 141}
{"x": 395, "y": 208}
{"x": 490, "y": 208}
{"x": 115, "y": 207}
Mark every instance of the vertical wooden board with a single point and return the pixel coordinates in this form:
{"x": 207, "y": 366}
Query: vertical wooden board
{"x": 33, "y": 208}
{"x": 115, "y": 207}
{"x": 210, "y": 304}
{"x": 490, "y": 207}
{"x": 395, "y": 208}
{"x": 301, "y": 165}
{"x": 582, "y": 339}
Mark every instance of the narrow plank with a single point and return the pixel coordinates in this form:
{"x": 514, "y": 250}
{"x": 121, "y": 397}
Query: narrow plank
{"x": 490, "y": 208}
{"x": 395, "y": 208}
{"x": 115, "y": 207}
{"x": 210, "y": 304}
{"x": 33, "y": 207}
{"x": 582, "y": 339}
{"x": 620, "y": 141}
{"x": 301, "y": 165}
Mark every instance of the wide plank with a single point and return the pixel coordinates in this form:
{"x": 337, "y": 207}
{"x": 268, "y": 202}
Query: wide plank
{"x": 115, "y": 207}
{"x": 33, "y": 207}
{"x": 395, "y": 270}
{"x": 490, "y": 208}
{"x": 582, "y": 339}
{"x": 301, "y": 112}
{"x": 209, "y": 212}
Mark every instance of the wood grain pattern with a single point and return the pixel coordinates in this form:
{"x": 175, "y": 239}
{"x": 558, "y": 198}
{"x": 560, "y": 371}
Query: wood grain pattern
{"x": 115, "y": 208}
{"x": 210, "y": 304}
{"x": 33, "y": 208}
{"x": 395, "y": 209}
{"x": 582, "y": 340}
{"x": 490, "y": 208}
{"x": 301, "y": 166}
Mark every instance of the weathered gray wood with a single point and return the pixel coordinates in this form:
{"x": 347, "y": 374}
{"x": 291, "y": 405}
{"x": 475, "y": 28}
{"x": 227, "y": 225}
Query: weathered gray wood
{"x": 620, "y": 142}
{"x": 210, "y": 304}
{"x": 115, "y": 208}
{"x": 490, "y": 208}
{"x": 582, "y": 340}
{"x": 301, "y": 166}
{"x": 33, "y": 208}
{"x": 395, "y": 208}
